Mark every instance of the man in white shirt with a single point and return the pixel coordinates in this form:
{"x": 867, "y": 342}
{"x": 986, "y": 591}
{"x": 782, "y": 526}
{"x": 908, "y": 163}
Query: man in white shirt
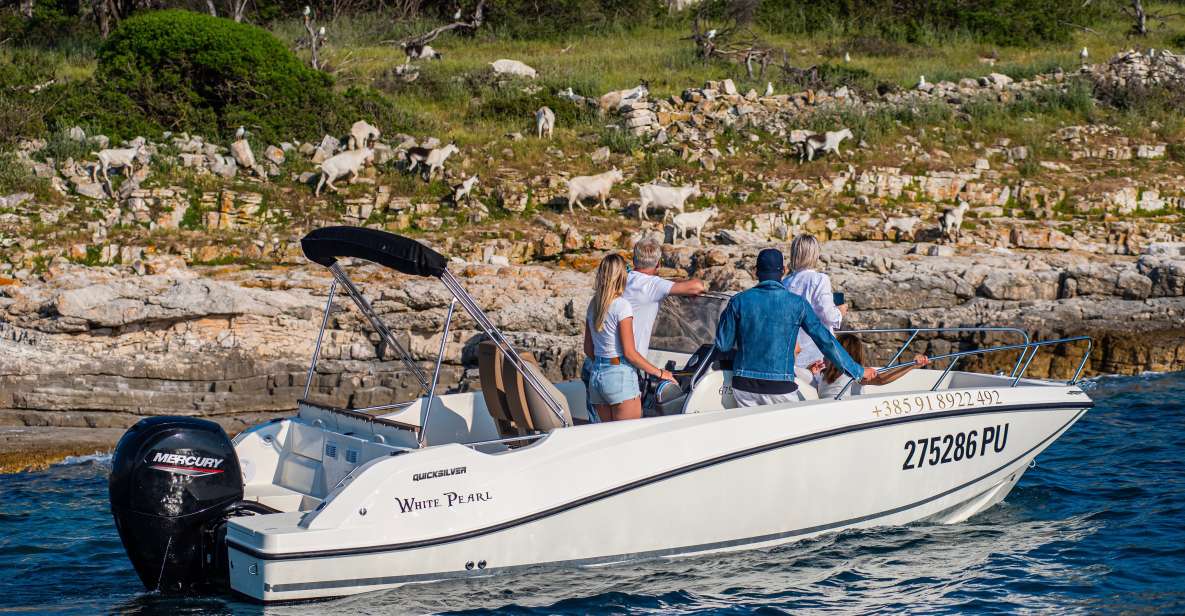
{"x": 644, "y": 290}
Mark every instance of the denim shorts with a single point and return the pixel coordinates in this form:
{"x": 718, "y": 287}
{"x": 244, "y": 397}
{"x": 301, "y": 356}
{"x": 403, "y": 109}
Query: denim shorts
{"x": 610, "y": 384}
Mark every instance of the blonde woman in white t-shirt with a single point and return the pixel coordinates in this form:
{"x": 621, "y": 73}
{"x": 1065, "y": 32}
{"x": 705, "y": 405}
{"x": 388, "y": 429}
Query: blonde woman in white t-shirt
{"x": 609, "y": 343}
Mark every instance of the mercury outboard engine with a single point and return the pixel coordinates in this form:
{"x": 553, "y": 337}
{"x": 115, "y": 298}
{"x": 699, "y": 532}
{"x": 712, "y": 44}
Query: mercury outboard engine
{"x": 174, "y": 480}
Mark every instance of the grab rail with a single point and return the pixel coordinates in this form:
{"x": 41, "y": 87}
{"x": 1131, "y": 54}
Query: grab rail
{"x": 914, "y": 331}
{"x": 1029, "y": 350}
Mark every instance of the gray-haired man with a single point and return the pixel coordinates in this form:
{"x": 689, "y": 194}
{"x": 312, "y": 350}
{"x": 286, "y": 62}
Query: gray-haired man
{"x": 645, "y": 290}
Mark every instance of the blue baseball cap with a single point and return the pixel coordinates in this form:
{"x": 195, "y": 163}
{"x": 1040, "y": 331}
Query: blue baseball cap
{"x": 769, "y": 265}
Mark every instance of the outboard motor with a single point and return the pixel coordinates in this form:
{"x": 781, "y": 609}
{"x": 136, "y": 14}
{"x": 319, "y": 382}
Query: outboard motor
{"x": 173, "y": 482}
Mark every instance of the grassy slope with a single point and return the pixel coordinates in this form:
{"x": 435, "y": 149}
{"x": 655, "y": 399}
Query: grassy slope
{"x": 592, "y": 64}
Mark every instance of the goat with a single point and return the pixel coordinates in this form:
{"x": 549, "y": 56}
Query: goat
{"x": 823, "y": 143}
{"x": 544, "y": 122}
{"x": 951, "y": 221}
{"x": 362, "y": 135}
{"x": 513, "y": 67}
{"x": 903, "y": 224}
{"x": 612, "y": 101}
{"x": 433, "y": 159}
{"x": 585, "y": 186}
{"x": 421, "y": 52}
{"x": 665, "y": 198}
{"x": 689, "y": 221}
{"x": 109, "y": 159}
{"x": 348, "y": 163}
{"x": 462, "y": 190}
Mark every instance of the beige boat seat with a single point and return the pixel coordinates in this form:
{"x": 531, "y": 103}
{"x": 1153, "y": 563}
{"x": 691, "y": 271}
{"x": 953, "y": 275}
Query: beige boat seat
{"x": 527, "y": 405}
{"x": 493, "y": 388}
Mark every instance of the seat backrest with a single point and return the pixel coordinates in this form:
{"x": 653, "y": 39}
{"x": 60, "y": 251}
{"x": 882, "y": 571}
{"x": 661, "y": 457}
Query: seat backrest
{"x": 527, "y": 403}
{"x": 493, "y": 388}
{"x": 516, "y": 399}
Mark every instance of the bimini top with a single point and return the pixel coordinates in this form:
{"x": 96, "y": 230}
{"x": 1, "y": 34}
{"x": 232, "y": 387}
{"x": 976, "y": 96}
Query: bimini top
{"x": 326, "y": 245}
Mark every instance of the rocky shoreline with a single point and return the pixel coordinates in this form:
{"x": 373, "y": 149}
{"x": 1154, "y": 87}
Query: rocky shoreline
{"x": 108, "y": 315}
{"x": 100, "y": 348}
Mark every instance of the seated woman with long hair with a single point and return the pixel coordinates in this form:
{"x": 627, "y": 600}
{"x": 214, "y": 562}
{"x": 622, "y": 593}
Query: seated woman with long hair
{"x": 609, "y": 343}
{"x": 830, "y": 380}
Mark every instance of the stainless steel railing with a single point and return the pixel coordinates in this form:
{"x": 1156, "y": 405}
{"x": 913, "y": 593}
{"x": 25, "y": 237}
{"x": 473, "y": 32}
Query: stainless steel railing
{"x": 1028, "y": 352}
{"x": 914, "y": 331}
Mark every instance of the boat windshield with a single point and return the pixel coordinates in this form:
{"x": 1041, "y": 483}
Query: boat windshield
{"x": 684, "y": 324}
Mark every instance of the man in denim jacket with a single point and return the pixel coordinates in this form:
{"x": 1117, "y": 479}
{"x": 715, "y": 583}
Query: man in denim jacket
{"x": 760, "y": 328}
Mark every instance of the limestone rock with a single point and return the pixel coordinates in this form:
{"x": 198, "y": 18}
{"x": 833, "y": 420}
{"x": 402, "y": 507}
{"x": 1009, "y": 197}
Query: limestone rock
{"x": 274, "y": 155}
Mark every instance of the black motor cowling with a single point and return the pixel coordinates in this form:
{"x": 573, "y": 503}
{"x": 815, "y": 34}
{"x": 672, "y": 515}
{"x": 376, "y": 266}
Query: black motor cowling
{"x": 173, "y": 481}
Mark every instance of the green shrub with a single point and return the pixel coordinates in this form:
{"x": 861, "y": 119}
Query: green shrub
{"x": 371, "y": 105}
{"x": 926, "y": 22}
{"x": 22, "y": 111}
{"x": 834, "y": 75}
{"x": 1178, "y": 42}
{"x": 513, "y": 103}
{"x": 619, "y": 140}
{"x": 102, "y": 110}
{"x": 544, "y": 19}
{"x": 189, "y": 71}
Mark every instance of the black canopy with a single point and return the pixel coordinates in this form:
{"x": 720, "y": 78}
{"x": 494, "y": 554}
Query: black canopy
{"x": 325, "y": 245}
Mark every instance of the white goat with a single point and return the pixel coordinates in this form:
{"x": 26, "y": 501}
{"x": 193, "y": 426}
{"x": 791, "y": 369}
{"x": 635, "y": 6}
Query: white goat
{"x": 125, "y": 158}
{"x": 348, "y": 163}
{"x": 903, "y": 224}
{"x": 665, "y": 198}
{"x": 513, "y": 67}
{"x": 462, "y": 190}
{"x": 544, "y": 122}
{"x": 951, "y": 221}
{"x": 584, "y": 186}
{"x": 827, "y": 142}
{"x": 612, "y": 101}
{"x": 433, "y": 159}
{"x": 363, "y": 135}
{"x": 688, "y": 221}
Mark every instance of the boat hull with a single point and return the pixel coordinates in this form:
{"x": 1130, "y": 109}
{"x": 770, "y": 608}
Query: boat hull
{"x": 671, "y": 487}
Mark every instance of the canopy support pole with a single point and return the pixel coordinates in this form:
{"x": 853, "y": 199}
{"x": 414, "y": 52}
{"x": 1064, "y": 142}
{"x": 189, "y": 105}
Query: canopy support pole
{"x": 377, "y": 323}
{"x": 320, "y": 334}
{"x": 475, "y": 311}
{"x": 448, "y": 320}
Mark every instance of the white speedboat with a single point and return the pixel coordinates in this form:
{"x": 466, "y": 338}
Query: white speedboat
{"x": 333, "y": 502}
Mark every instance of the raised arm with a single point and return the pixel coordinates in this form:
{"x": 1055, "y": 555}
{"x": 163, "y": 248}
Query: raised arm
{"x": 884, "y": 378}
{"x": 691, "y": 286}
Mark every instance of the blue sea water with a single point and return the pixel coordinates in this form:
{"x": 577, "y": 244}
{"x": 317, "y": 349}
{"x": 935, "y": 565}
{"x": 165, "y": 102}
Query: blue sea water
{"x": 1098, "y": 526}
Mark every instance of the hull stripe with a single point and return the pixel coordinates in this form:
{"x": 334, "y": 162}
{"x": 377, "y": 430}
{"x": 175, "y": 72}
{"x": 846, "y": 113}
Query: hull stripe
{"x": 682, "y": 471}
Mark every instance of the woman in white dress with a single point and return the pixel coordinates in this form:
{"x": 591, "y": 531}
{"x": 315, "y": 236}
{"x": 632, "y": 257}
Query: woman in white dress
{"x": 815, "y": 287}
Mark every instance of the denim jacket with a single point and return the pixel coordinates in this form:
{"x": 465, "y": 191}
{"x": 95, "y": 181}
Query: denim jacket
{"x": 760, "y": 326}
